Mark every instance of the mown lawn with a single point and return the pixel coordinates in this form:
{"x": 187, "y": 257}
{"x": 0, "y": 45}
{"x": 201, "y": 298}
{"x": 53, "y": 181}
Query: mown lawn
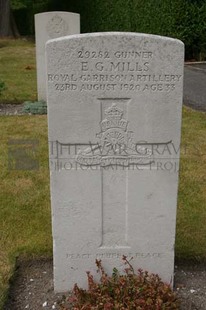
{"x": 25, "y": 216}
{"x": 17, "y": 71}
{"x": 191, "y": 215}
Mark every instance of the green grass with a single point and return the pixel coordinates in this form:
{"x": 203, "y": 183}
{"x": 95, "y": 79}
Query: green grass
{"x": 17, "y": 71}
{"x": 191, "y": 215}
{"x": 25, "y": 216}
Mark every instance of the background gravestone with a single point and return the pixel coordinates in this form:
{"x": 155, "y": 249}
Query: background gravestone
{"x": 114, "y": 113}
{"x": 48, "y": 26}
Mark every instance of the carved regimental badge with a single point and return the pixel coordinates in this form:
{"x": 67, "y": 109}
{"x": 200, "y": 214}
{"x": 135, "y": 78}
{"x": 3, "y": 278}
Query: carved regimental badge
{"x": 57, "y": 27}
{"x": 115, "y": 145}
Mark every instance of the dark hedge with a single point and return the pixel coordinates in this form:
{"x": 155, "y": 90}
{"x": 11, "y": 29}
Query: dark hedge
{"x": 182, "y": 19}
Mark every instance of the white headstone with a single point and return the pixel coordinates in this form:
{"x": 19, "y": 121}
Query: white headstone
{"x": 48, "y": 26}
{"x": 114, "y": 112}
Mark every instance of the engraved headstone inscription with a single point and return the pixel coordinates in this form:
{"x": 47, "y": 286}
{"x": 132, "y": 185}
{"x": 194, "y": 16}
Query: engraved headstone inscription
{"x": 114, "y": 116}
{"x": 48, "y": 26}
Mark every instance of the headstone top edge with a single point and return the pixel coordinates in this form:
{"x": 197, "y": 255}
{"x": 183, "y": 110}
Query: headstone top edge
{"x": 56, "y": 12}
{"x": 114, "y": 33}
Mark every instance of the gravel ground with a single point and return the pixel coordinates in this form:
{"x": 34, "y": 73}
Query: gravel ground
{"x": 32, "y": 287}
{"x": 11, "y": 109}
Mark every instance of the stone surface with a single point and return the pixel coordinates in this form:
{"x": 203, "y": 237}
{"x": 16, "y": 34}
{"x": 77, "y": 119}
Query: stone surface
{"x": 114, "y": 113}
{"x": 194, "y": 85}
{"x": 48, "y": 26}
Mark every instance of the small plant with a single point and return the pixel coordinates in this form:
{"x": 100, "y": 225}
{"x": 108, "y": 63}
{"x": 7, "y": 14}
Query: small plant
{"x": 141, "y": 291}
{"x": 2, "y": 87}
{"x": 37, "y": 107}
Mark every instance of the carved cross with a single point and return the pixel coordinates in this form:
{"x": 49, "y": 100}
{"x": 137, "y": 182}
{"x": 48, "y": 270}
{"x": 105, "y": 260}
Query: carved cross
{"x": 114, "y": 154}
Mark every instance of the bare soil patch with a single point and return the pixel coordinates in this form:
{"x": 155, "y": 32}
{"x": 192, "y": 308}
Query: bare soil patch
{"x": 11, "y": 109}
{"x": 32, "y": 287}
